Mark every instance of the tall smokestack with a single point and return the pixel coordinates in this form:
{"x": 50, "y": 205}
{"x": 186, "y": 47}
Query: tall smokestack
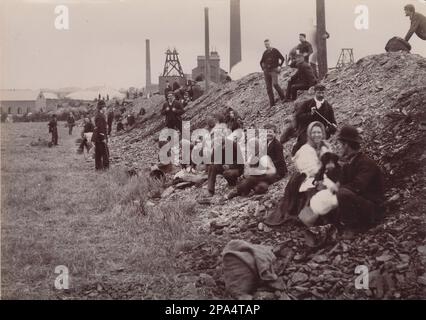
{"x": 207, "y": 46}
{"x": 235, "y": 36}
{"x": 148, "y": 65}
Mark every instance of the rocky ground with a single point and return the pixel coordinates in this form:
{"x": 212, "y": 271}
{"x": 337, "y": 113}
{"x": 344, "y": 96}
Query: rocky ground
{"x": 384, "y": 96}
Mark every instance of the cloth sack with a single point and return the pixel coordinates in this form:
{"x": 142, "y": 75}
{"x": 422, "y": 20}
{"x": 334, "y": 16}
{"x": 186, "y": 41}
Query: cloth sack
{"x": 397, "y": 44}
{"x": 247, "y": 265}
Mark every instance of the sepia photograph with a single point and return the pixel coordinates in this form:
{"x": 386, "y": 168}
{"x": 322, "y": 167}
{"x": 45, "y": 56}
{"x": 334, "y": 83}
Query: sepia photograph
{"x": 218, "y": 150}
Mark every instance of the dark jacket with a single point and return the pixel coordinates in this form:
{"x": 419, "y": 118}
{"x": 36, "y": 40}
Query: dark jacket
{"x": 364, "y": 177}
{"x": 100, "y": 131}
{"x": 275, "y": 152}
{"x": 304, "y": 75}
{"x": 173, "y": 117}
{"x": 71, "y": 120}
{"x": 304, "y": 117}
{"x": 271, "y": 59}
{"x": 305, "y": 47}
{"x": 53, "y": 125}
{"x": 418, "y": 26}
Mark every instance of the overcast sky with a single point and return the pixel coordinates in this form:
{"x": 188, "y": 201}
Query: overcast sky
{"x": 105, "y": 44}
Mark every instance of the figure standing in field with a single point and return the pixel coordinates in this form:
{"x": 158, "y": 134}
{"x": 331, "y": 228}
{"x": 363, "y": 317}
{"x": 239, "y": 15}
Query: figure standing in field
{"x": 271, "y": 63}
{"x": 53, "y": 129}
{"x": 70, "y": 123}
{"x": 100, "y": 139}
{"x": 418, "y": 23}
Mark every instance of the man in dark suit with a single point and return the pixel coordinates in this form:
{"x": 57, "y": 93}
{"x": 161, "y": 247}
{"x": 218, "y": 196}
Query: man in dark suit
{"x": 315, "y": 109}
{"x": 100, "y": 138}
{"x": 173, "y": 110}
{"x": 53, "y": 129}
{"x": 303, "y": 79}
{"x": 361, "y": 193}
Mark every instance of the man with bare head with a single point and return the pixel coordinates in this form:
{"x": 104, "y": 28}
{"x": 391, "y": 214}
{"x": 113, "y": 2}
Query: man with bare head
{"x": 271, "y": 63}
{"x": 418, "y": 23}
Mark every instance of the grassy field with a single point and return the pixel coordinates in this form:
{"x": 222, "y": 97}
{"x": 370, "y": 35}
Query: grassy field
{"x": 56, "y": 210}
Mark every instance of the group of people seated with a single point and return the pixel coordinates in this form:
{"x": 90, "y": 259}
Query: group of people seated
{"x": 184, "y": 94}
{"x": 345, "y": 190}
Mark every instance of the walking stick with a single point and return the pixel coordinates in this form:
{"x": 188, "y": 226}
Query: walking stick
{"x": 328, "y": 122}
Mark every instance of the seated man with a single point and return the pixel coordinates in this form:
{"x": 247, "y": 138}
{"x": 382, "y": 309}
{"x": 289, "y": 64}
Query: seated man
{"x": 266, "y": 170}
{"x": 315, "y": 109}
{"x": 361, "y": 194}
{"x": 303, "y": 79}
{"x": 230, "y": 169}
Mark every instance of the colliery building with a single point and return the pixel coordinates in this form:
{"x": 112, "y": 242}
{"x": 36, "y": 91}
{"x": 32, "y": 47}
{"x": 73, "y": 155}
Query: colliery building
{"x": 217, "y": 74}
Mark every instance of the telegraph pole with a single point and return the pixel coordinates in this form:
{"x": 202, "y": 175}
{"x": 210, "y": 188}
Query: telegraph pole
{"x": 207, "y": 47}
{"x": 322, "y": 36}
{"x": 148, "y": 66}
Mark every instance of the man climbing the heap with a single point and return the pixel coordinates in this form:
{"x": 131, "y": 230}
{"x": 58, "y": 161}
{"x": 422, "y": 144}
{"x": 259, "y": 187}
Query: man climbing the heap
{"x": 418, "y": 23}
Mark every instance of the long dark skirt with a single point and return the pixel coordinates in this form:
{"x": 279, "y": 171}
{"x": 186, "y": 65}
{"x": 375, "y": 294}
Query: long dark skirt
{"x": 291, "y": 203}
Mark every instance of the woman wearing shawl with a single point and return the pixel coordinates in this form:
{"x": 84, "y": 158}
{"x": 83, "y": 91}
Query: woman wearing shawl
{"x": 307, "y": 163}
